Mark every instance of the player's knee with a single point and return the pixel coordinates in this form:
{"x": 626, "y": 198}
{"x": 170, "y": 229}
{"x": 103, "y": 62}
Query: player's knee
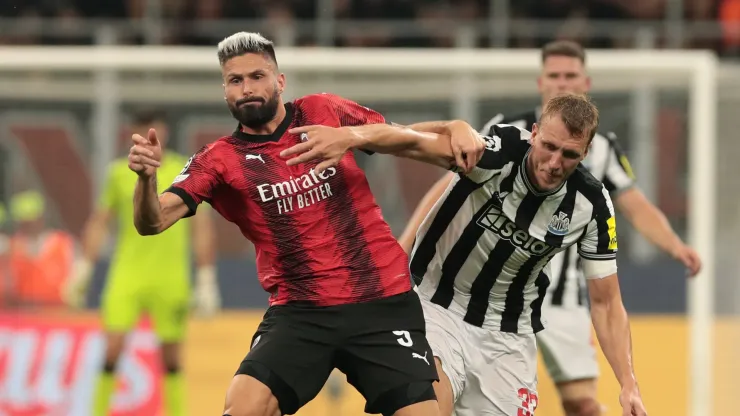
{"x": 395, "y": 399}
{"x": 586, "y": 406}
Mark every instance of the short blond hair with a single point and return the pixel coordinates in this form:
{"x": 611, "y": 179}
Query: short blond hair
{"x": 577, "y": 112}
{"x": 564, "y": 48}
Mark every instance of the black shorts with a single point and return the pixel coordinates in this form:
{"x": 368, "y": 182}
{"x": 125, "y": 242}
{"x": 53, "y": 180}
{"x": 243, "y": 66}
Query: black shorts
{"x": 380, "y": 345}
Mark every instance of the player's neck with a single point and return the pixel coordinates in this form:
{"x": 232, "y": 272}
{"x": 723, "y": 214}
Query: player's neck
{"x": 270, "y": 126}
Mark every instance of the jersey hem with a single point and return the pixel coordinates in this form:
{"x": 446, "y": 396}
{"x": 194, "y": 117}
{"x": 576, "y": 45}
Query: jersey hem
{"x": 340, "y": 302}
{"x": 458, "y": 312}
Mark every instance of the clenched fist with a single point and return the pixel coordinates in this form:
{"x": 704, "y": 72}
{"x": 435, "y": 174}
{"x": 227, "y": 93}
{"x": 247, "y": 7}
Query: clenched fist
{"x": 145, "y": 155}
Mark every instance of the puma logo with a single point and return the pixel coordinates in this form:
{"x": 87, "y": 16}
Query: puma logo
{"x": 421, "y": 357}
{"x": 258, "y": 157}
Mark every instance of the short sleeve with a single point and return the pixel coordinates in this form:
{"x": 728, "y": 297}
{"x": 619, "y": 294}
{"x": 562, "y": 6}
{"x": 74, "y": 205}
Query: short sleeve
{"x": 197, "y": 180}
{"x": 110, "y": 197}
{"x": 618, "y": 175}
{"x": 351, "y": 113}
{"x": 600, "y": 239}
{"x": 504, "y": 144}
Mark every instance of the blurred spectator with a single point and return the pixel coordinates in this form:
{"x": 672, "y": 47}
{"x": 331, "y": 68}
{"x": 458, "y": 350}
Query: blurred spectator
{"x": 729, "y": 14}
{"x": 4, "y": 275}
{"x": 69, "y": 27}
{"x": 40, "y": 259}
{"x": 400, "y": 23}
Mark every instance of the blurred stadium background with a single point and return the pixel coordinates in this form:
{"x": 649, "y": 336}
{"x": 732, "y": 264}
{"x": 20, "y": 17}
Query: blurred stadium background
{"x": 60, "y": 129}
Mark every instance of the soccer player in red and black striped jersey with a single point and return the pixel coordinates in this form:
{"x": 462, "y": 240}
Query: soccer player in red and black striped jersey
{"x": 339, "y": 283}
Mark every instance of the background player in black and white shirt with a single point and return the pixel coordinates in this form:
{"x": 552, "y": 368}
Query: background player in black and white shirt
{"x": 566, "y": 344}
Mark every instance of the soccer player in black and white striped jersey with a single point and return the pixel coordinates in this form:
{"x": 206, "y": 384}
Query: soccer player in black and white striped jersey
{"x": 566, "y": 343}
{"x": 480, "y": 254}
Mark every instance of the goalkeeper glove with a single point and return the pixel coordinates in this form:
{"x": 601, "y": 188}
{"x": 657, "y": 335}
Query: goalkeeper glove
{"x": 75, "y": 289}
{"x": 207, "y": 297}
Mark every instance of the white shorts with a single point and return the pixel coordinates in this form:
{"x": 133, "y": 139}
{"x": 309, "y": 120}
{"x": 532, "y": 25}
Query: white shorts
{"x": 492, "y": 373}
{"x": 567, "y": 345}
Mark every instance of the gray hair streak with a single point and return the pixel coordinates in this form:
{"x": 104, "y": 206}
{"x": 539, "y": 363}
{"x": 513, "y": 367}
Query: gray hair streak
{"x": 242, "y": 43}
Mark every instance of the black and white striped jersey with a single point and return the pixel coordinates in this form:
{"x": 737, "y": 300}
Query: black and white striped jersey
{"x": 607, "y": 162}
{"x": 481, "y": 251}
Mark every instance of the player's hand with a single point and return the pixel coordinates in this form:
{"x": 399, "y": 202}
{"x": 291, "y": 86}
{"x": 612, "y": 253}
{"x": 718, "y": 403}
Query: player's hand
{"x": 325, "y": 144}
{"x": 467, "y": 145}
{"x": 74, "y": 291}
{"x": 207, "y": 297}
{"x": 145, "y": 155}
{"x": 689, "y": 257}
{"x": 631, "y": 402}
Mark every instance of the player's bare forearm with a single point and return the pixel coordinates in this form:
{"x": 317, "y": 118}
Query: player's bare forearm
{"x": 147, "y": 211}
{"x": 612, "y": 327}
{"x": 438, "y": 127}
{"x": 648, "y": 220}
{"x": 427, "y": 202}
{"x": 204, "y": 238}
{"x": 154, "y": 214}
{"x": 404, "y": 142}
{"x": 94, "y": 234}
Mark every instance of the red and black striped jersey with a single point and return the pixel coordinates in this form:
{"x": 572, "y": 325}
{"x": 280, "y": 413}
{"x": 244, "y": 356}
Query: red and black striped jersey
{"x": 320, "y": 239}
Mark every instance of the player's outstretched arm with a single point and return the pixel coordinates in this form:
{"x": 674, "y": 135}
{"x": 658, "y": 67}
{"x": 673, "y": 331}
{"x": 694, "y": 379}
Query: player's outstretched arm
{"x": 329, "y": 144}
{"x": 152, "y": 213}
{"x": 465, "y": 142}
{"x": 612, "y": 327}
{"x": 653, "y": 225}
{"x": 427, "y": 202}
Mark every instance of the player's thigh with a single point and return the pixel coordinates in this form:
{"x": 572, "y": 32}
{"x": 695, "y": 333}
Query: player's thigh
{"x": 121, "y": 305}
{"x": 501, "y": 376}
{"x": 248, "y": 396}
{"x": 567, "y": 345}
{"x": 385, "y": 353}
{"x": 425, "y": 408}
{"x": 292, "y": 354}
{"x": 168, "y": 309}
{"x": 446, "y": 338}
